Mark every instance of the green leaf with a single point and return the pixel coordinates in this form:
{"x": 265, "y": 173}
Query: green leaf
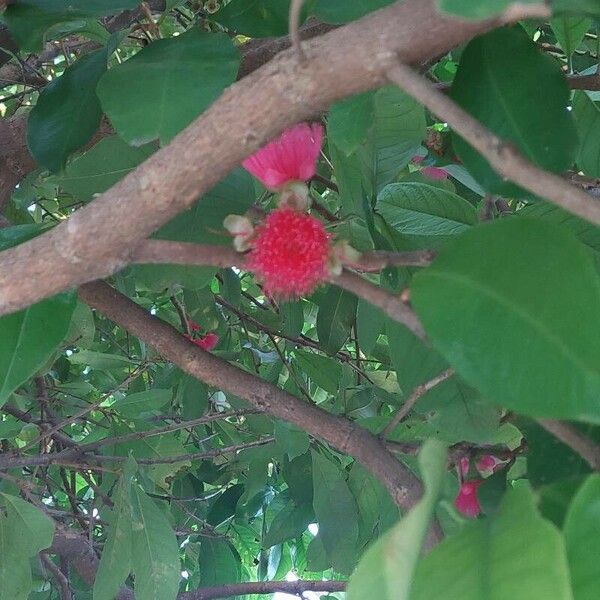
{"x": 325, "y": 372}
{"x": 193, "y": 396}
{"x": 163, "y": 88}
{"x": 155, "y": 557}
{"x": 30, "y": 529}
{"x": 255, "y": 18}
{"x": 423, "y": 211}
{"x": 99, "y": 360}
{"x": 115, "y": 561}
{"x": 478, "y": 9}
{"x": 29, "y": 337}
{"x": 492, "y": 559}
{"x": 570, "y": 31}
{"x": 29, "y": 20}
{"x": 342, "y": 11}
{"x": 386, "y": 570}
{"x": 290, "y": 522}
{"x": 336, "y": 512}
{"x": 512, "y": 104}
{"x": 337, "y": 313}
{"x": 576, "y": 7}
{"x": 17, "y": 234}
{"x": 292, "y": 440}
{"x": 67, "y": 112}
{"x": 24, "y": 531}
{"x": 101, "y": 167}
{"x": 587, "y": 233}
{"x": 15, "y": 572}
{"x": 389, "y": 126}
{"x": 134, "y": 405}
{"x": 370, "y": 321}
{"x": 587, "y": 117}
{"x": 219, "y": 563}
{"x": 582, "y": 537}
{"x": 514, "y": 331}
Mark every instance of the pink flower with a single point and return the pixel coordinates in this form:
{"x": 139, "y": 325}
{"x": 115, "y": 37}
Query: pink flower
{"x": 291, "y": 157}
{"x": 194, "y": 326}
{"x": 467, "y": 502}
{"x": 207, "y": 342}
{"x": 488, "y": 464}
{"x": 290, "y": 253}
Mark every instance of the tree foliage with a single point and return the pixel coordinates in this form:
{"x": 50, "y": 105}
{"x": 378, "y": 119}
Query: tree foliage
{"x": 465, "y": 324}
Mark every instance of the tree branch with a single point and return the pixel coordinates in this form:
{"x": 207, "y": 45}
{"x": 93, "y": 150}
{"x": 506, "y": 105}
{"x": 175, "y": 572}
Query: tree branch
{"x": 579, "y": 443}
{"x": 417, "y": 393}
{"x": 503, "y": 157}
{"x": 99, "y": 239}
{"x": 263, "y": 587}
{"x": 339, "y": 432}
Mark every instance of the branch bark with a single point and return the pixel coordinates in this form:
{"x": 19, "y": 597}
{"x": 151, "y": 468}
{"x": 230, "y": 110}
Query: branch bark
{"x": 579, "y": 443}
{"x": 99, "y": 239}
{"x": 263, "y": 587}
{"x": 502, "y": 156}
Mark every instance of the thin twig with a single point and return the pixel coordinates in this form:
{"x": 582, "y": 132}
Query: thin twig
{"x": 185, "y": 324}
{"x": 579, "y": 443}
{"x": 417, "y": 393}
{"x": 294, "y": 27}
{"x": 59, "y": 576}
{"x": 502, "y": 156}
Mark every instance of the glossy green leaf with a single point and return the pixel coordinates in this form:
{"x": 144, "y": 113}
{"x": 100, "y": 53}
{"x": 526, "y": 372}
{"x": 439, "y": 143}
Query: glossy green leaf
{"x": 423, "y": 211}
{"x": 325, "y": 372}
{"x": 569, "y": 32}
{"x": 133, "y": 405}
{"x": 493, "y": 559}
{"x": 514, "y": 331}
{"x": 30, "y": 529}
{"x": 255, "y": 18}
{"x": 341, "y": 11}
{"x": 587, "y": 117}
{"x": 29, "y": 20}
{"x": 24, "y": 531}
{"x": 218, "y": 562}
{"x": 477, "y": 9}
{"x": 585, "y": 231}
{"x": 387, "y": 126}
{"x": 67, "y": 112}
{"x": 512, "y": 104}
{"x": 386, "y": 570}
{"x": 292, "y": 440}
{"x": 337, "y": 313}
{"x": 101, "y": 167}
{"x": 155, "y": 557}
{"x": 582, "y": 537}
{"x": 29, "y": 337}
{"x": 159, "y": 91}
{"x": 115, "y": 561}
{"x": 370, "y": 322}
{"x": 336, "y": 512}
{"x": 290, "y": 522}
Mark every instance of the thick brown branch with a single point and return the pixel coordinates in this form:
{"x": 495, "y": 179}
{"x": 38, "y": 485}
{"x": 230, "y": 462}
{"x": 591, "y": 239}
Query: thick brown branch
{"x": 99, "y": 238}
{"x": 503, "y": 157}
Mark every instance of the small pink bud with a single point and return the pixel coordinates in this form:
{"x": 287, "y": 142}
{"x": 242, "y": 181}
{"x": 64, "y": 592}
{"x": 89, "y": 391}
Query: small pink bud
{"x": 194, "y": 326}
{"x": 488, "y": 464}
{"x": 466, "y": 501}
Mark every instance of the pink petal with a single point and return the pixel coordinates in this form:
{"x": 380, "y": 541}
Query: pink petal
{"x": 291, "y": 157}
{"x": 435, "y": 173}
{"x": 466, "y": 501}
